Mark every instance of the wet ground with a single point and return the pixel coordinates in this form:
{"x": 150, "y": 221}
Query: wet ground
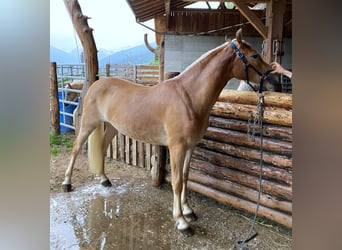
{"x": 134, "y": 215}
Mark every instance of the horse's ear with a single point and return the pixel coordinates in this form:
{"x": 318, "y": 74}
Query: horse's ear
{"x": 226, "y": 38}
{"x": 239, "y": 36}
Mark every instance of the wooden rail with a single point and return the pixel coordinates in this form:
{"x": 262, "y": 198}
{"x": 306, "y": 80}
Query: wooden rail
{"x": 143, "y": 74}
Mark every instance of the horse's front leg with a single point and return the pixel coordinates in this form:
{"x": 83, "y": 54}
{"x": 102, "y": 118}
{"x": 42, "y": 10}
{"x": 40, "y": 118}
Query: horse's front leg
{"x": 177, "y": 156}
{"x": 85, "y": 129}
{"x": 187, "y": 210}
{"x": 79, "y": 141}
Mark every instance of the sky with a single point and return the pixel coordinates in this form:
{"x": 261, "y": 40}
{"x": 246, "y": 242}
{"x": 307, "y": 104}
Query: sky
{"x": 113, "y": 22}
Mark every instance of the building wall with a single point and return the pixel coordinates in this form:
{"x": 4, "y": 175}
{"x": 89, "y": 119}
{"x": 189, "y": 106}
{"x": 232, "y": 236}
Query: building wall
{"x": 181, "y": 51}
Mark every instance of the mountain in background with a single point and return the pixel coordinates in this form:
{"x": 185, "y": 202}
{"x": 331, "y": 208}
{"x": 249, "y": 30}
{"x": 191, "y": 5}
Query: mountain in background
{"x": 61, "y": 57}
{"x": 135, "y": 55}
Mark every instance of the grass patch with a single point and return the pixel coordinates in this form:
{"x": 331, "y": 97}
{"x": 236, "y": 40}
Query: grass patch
{"x": 59, "y": 142}
{"x": 54, "y": 151}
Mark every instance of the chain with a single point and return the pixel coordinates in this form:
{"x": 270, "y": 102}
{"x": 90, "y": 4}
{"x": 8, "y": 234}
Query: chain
{"x": 276, "y": 44}
{"x": 263, "y": 48}
{"x": 250, "y": 128}
{"x": 257, "y": 121}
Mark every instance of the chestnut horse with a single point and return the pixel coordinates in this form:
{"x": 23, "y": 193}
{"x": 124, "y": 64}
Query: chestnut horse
{"x": 70, "y": 95}
{"x": 173, "y": 113}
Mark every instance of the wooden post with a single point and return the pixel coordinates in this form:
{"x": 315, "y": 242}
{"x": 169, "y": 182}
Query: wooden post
{"x": 162, "y": 58}
{"x": 158, "y": 168}
{"x": 150, "y": 48}
{"x": 111, "y": 143}
{"x": 274, "y": 20}
{"x": 107, "y": 70}
{"x": 85, "y": 34}
{"x": 54, "y": 104}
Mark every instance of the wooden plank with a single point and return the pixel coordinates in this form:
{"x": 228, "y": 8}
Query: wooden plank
{"x": 121, "y": 147}
{"x": 241, "y": 204}
{"x": 247, "y": 153}
{"x": 242, "y": 139}
{"x": 269, "y": 130}
{"x": 271, "y": 99}
{"x": 249, "y": 167}
{"x": 240, "y": 191}
{"x": 269, "y": 187}
{"x": 148, "y": 155}
{"x": 141, "y": 154}
{"x": 272, "y": 115}
{"x": 115, "y": 147}
{"x": 128, "y": 142}
{"x": 134, "y": 154}
{"x": 154, "y": 67}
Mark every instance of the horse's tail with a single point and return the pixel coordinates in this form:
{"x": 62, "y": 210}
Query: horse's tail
{"x": 96, "y": 150}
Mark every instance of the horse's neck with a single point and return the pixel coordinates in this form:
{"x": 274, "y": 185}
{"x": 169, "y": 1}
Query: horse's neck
{"x": 205, "y": 79}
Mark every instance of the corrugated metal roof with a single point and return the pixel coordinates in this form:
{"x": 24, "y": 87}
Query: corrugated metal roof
{"x": 145, "y": 10}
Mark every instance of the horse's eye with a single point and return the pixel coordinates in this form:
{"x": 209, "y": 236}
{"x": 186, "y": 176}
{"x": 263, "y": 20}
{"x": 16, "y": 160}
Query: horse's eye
{"x": 255, "y": 56}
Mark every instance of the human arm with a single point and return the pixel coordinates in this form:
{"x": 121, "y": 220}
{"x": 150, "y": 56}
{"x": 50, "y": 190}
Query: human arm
{"x": 277, "y": 68}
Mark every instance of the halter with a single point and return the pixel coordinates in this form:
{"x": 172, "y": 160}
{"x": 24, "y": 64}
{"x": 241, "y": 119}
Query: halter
{"x": 247, "y": 65}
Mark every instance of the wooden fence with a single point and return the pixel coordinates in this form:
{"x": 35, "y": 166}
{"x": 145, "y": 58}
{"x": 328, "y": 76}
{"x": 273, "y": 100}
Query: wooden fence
{"x": 144, "y": 74}
{"x": 225, "y": 163}
{"x": 132, "y": 152}
{"x": 63, "y": 74}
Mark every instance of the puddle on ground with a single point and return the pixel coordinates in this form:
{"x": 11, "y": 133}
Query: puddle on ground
{"x": 95, "y": 217}
{"x": 133, "y": 215}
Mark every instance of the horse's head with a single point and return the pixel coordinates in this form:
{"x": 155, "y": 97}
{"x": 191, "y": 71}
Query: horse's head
{"x": 70, "y": 96}
{"x": 248, "y": 64}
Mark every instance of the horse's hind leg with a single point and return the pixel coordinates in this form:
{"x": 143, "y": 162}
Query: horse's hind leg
{"x": 85, "y": 130}
{"x": 187, "y": 210}
{"x": 110, "y": 132}
{"x": 177, "y": 156}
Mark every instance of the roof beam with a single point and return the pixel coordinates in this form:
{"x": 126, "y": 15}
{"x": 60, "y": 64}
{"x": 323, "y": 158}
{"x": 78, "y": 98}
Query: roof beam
{"x": 167, "y": 12}
{"x": 243, "y": 1}
{"x": 275, "y": 22}
{"x": 251, "y": 17}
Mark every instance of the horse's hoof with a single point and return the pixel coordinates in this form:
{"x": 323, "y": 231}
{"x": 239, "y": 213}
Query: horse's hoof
{"x": 66, "y": 187}
{"x": 106, "y": 183}
{"x": 191, "y": 217}
{"x": 187, "y": 232}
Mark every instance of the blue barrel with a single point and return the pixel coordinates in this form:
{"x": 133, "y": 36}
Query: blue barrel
{"x": 68, "y": 108}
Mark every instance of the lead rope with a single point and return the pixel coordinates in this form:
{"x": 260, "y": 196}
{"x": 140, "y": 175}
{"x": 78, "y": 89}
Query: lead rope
{"x": 257, "y": 121}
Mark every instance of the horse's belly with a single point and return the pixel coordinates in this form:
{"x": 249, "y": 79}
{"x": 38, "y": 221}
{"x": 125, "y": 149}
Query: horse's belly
{"x": 143, "y": 133}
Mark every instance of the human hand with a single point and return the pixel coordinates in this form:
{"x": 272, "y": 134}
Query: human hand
{"x": 277, "y": 68}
